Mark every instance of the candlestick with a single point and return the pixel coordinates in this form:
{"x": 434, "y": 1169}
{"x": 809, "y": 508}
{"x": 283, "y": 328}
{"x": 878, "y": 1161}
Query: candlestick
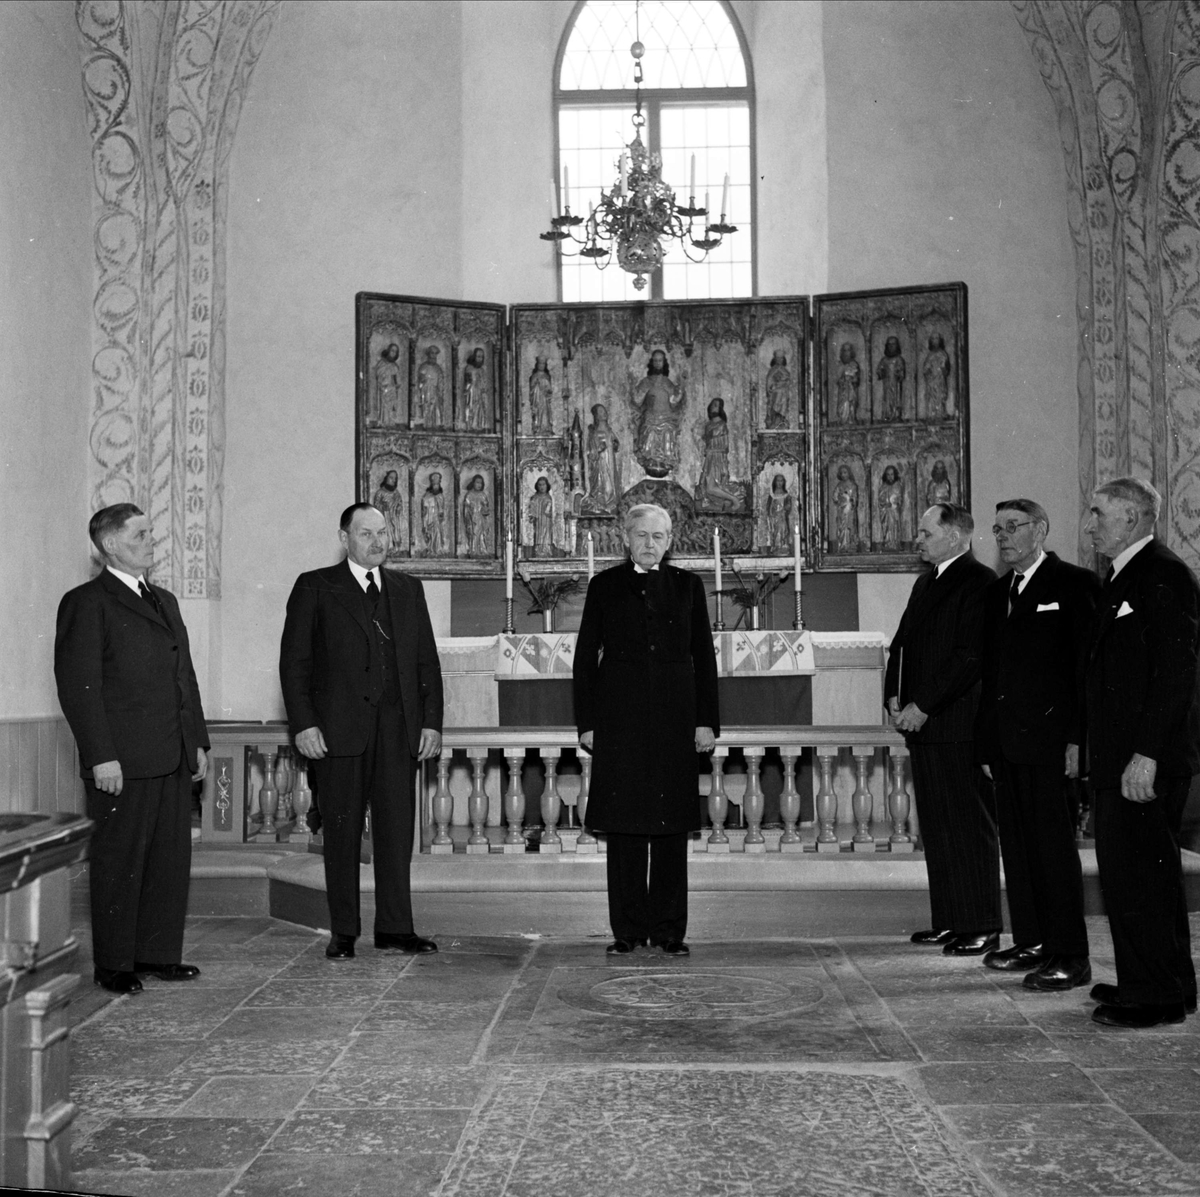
{"x": 591, "y": 558}
{"x": 719, "y": 622}
{"x": 796, "y": 554}
{"x": 508, "y": 568}
{"x": 509, "y": 626}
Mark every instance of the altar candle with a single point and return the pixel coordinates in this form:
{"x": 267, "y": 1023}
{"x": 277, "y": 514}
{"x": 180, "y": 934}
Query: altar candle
{"x": 692, "y": 191}
{"x": 566, "y": 191}
{"x": 624, "y": 172}
{"x": 591, "y": 558}
{"x": 508, "y": 567}
{"x": 707, "y": 209}
{"x": 717, "y": 556}
{"x": 725, "y": 199}
{"x": 796, "y": 552}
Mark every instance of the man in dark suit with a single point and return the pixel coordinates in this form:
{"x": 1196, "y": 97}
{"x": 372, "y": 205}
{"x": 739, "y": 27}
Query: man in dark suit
{"x": 931, "y": 690}
{"x": 645, "y": 704}
{"x": 128, "y": 690}
{"x": 1038, "y": 618}
{"x": 363, "y": 690}
{"x": 1142, "y": 693}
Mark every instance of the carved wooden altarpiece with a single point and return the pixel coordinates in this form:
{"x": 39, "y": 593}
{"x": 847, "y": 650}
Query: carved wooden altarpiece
{"x": 550, "y": 421}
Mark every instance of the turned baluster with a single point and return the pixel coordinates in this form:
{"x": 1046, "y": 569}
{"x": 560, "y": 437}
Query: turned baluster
{"x": 268, "y": 797}
{"x": 586, "y": 842}
{"x": 283, "y": 786}
{"x": 827, "y": 839}
{"x": 789, "y": 801}
{"x": 477, "y": 803}
{"x": 443, "y": 807}
{"x": 861, "y": 801}
{"x": 898, "y": 801}
{"x": 551, "y": 802}
{"x": 718, "y": 802}
{"x": 301, "y": 801}
{"x": 514, "y": 800}
{"x": 753, "y": 802}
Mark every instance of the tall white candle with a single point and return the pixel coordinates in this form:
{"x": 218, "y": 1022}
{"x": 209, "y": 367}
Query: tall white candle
{"x": 725, "y": 197}
{"x": 692, "y": 189}
{"x": 508, "y": 567}
{"x": 717, "y": 556}
{"x": 706, "y": 207}
{"x": 591, "y": 558}
{"x": 624, "y": 172}
{"x": 796, "y": 552}
{"x": 566, "y": 191}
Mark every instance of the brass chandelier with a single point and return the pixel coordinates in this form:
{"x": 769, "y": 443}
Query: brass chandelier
{"x": 639, "y": 215}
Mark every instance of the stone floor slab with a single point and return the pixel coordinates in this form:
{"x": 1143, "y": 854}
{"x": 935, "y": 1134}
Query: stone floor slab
{"x": 359, "y": 1086}
{"x": 990, "y": 1042}
{"x": 320, "y": 991}
{"x": 175, "y": 1144}
{"x": 145, "y": 1183}
{"x": 1005, "y": 1084}
{"x": 95, "y": 1052}
{"x": 368, "y": 1132}
{"x": 1169, "y": 1088}
{"x": 1178, "y": 1132}
{"x": 131, "y": 1096}
{"x": 257, "y": 1057}
{"x": 279, "y": 1175}
{"x": 238, "y": 1096}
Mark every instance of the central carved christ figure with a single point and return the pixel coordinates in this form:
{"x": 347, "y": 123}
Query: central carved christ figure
{"x": 660, "y": 402}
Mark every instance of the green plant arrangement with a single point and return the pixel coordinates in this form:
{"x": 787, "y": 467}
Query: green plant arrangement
{"x": 750, "y": 596}
{"x": 547, "y": 593}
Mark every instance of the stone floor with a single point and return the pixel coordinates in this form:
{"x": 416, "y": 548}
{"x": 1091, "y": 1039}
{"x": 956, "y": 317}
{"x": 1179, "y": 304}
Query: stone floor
{"x": 541, "y": 1068}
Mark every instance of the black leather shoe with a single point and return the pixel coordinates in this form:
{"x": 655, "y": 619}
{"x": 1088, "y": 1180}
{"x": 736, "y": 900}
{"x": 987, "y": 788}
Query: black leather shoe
{"x": 117, "y": 980}
{"x": 1017, "y": 959}
{"x": 412, "y": 945}
{"x": 675, "y": 947}
{"x": 1109, "y": 995}
{"x": 972, "y": 945}
{"x": 168, "y": 972}
{"x": 341, "y": 947}
{"x": 620, "y": 947}
{"x": 1139, "y": 1017}
{"x": 1060, "y": 972}
{"x": 931, "y": 937}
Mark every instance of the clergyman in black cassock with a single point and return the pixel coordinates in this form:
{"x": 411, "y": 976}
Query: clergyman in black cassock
{"x": 645, "y": 705}
{"x": 1142, "y": 695}
{"x": 128, "y": 690}
{"x": 932, "y": 689}
{"x": 1038, "y": 618}
{"x": 362, "y": 685}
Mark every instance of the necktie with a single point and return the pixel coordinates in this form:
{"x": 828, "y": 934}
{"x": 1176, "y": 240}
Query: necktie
{"x": 1108, "y": 577}
{"x": 1014, "y": 591}
{"x": 147, "y": 594}
{"x": 372, "y": 589}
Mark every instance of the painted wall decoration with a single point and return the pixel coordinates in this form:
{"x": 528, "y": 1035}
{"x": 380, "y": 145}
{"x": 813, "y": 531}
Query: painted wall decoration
{"x": 549, "y": 422}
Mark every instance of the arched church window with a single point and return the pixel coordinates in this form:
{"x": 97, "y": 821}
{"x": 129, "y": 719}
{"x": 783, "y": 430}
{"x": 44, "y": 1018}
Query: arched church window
{"x": 697, "y": 99}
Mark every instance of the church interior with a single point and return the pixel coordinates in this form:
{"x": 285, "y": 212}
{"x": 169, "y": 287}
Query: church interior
{"x": 195, "y": 194}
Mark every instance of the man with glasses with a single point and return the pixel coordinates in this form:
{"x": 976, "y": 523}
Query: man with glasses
{"x": 931, "y": 691}
{"x": 363, "y": 689}
{"x": 1037, "y": 620}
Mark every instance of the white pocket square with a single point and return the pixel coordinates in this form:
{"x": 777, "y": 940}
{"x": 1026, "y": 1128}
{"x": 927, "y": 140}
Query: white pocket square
{"x": 1124, "y": 609}
{"x": 1047, "y": 606}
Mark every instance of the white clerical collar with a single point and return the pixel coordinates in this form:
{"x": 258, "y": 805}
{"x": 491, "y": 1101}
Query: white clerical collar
{"x": 637, "y": 569}
{"x": 360, "y": 574}
{"x": 1125, "y": 556}
{"x": 945, "y": 565}
{"x": 133, "y": 581}
{"x": 1028, "y": 573}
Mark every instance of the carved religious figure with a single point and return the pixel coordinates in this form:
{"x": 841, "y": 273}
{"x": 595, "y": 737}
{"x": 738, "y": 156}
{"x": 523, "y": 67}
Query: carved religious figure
{"x": 387, "y": 385}
{"x": 604, "y": 480}
{"x": 659, "y": 402}
{"x": 891, "y": 372}
{"x": 849, "y": 374}
{"x": 779, "y": 387}
{"x": 937, "y": 378}
{"x": 780, "y": 516}
{"x": 433, "y": 517}
{"x": 541, "y": 518}
{"x": 891, "y": 507}
{"x": 476, "y": 517}
{"x": 714, "y": 492}
{"x": 541, "y": 389}
{"x": 939, "y": 489}
{"x": 431, "y": 390}
{"x": 474, "y": 391}
{"x": 845, "y": 511}
{"x": 389, "y": 499}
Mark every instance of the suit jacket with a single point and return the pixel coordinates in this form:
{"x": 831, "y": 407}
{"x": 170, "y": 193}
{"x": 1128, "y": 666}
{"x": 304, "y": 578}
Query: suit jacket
{"x": 1142, "y": 684}
{"x": 125, "y": 679}
{"x": 935, "y": 655}
{"x": 645, "y": 679}
{"x": 325, "y": 658}
{"x": 1030, "y": 707}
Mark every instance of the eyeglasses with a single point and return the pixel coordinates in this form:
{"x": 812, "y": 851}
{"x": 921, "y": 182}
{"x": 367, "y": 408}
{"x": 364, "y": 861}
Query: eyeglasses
{"x": 1010, "y": 527}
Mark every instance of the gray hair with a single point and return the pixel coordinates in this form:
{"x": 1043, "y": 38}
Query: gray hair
{"x": 1138, "y": 492}
{"x": 951, "y": 515}
{"x": 1027, "y": 507}
{"x": 641, "y": 510}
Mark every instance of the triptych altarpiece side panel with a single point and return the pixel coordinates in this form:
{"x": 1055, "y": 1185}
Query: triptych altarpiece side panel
{"x": 552, "y": 423}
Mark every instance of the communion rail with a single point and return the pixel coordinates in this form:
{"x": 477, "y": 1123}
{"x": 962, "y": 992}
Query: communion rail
{"x": 257, "y": 790}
